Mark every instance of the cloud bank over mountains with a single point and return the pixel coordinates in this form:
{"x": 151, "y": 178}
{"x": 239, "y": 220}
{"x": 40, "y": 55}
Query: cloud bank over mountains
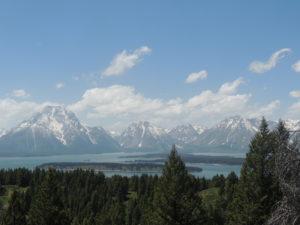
{"x": 116, "y": 105}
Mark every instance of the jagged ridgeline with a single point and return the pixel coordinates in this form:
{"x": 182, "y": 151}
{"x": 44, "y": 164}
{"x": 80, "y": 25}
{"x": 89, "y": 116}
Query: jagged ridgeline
{"x": 56, "y": 130}
{"x": 267, "y": 191}
{"x": 83, "y": 197}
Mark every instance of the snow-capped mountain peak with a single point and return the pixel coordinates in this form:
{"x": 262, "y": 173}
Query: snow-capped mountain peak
{"x": 59, "y": 121}
{"x": 143, "y": 134}
{"x": 184, "y": 134}
{"x": 234, "y": 133}
{"x": 238, "y": 122}
{"x": 292, "y": 125}
{"x": 143, "y": 127}
{"x": 200, "y": 129}
{"x": 56, "y": 129}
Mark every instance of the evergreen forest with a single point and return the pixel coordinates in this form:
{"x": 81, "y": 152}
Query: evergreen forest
{"x": 265, "y": 192}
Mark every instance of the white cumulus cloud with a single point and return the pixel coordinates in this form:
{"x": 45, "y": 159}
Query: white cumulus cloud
{"x": 231, "y": 87}
{"x": 121, "y": 105}
{"x": 60, "y": 85}
{"x": 262, "y": 67}
{"x": 296, "y": 66}
{"x": 294, "y": 111}
{"x": 13, "y": 112}
{"x": 125, "y": 61}
{"x": 266, "y": 110}
{"x": 20, "y": 93}
{"x": 193, "y": 77}
{"x": 295, "y": 94}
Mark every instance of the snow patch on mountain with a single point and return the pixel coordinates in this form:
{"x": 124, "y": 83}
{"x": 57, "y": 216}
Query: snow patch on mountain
{"x": 2, "y": 132}
{"x": 184, "y": 134}
{"x": 63, "y": 124}
{"x": 234, "y": 132}
{"x": 292, "y": 125}
{"x": 200, "y": 129}
{"x": 57, "y": 129}
{"x": 142, "y": 134}
{"x": 238, "y": 122}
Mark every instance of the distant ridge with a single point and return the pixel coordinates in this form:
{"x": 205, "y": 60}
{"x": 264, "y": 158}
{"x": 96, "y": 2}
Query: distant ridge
{"x": 232, "y": 134}
{"x": 56, "y": 130}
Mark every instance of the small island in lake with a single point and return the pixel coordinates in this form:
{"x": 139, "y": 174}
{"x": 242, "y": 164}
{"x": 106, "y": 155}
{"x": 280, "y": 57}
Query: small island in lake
{"x": 105, "y": 167}
{"x": 187, "y": 158}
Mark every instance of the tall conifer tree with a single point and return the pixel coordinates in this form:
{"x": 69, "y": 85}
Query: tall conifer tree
{"x": 176, "y": 202}
{"x": 47, "y": 206}
{"x": 257, "y": 189}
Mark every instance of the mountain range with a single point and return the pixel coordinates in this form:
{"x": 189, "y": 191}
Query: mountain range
{"x": 56, "y": 130}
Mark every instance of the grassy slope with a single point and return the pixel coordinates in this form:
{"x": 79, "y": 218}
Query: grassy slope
{"x": 210, "y": 196}
{"x": 9, "y": 189}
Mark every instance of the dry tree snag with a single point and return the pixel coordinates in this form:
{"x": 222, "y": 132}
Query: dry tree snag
{"x": 287, "y": 211}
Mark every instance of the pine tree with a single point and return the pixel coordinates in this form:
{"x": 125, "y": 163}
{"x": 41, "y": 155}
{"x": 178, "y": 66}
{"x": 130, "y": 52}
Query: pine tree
{"x": 230, "y": 185}
{"x": 117, "y": 214}
{"x": 258, "y": 187}
{"x": 2, "y": 190}
{"x": 113, "y": 214}
{"x": 133, "y": 215}
{"x": 176, "y": 202}
{"x": 47, "y": 207}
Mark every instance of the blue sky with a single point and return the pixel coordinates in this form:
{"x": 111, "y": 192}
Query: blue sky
{"x": 72, "y": 43}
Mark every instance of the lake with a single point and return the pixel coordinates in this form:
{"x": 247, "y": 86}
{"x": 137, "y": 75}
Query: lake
{"x": 209, "y": 170}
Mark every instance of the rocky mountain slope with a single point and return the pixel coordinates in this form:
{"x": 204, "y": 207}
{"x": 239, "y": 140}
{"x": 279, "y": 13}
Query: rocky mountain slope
{"x": 232, "y": 134}
{"x": 56, "y": 130}
{"x": 144, "y": 136}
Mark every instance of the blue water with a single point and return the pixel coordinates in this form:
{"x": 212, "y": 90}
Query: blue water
{"x": 209, "y": 170}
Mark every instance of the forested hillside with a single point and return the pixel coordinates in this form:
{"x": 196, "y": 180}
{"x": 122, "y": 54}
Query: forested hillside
{"x": 259, "y": 196}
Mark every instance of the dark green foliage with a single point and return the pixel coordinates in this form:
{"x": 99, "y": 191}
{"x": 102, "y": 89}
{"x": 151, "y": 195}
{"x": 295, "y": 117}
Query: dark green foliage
{"x": 133, "y": 215}
{"x": 230, "y": 186}
{"x": 218, "y": 196}
{"x": 84, "y": 197}
{"x": 219, "y": 181}
{"x": 176, "y": 202}
{"x": 47, "y": 206}
{"x": 16, "y": 211}
{"x": 2, "y": 190}
{"x": 51, "y": 197}
{"x": 257, "y": 190}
